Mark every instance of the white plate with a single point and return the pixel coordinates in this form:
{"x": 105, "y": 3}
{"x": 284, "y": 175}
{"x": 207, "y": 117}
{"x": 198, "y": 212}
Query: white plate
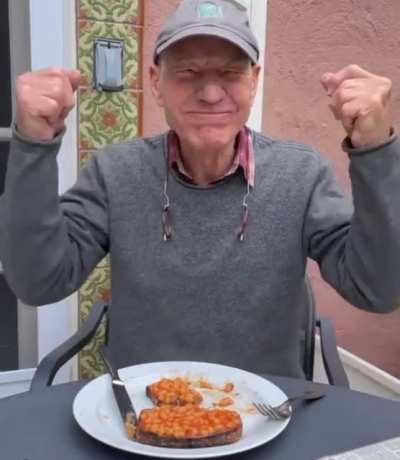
{"x": 96, "y": 411}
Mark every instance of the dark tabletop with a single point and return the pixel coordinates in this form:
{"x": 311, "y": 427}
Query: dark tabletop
{"x": 40, "y": 426}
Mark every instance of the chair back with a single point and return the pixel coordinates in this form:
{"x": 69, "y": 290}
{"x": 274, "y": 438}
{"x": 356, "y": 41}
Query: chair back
{"x": 307, "y": 348}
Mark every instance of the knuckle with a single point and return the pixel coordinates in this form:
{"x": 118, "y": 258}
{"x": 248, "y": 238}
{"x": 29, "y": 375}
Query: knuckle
{"x": 373, "y": 100}
{"x": 23, "y": 93}
{"x": 387, "y": 83}
{"x": 70, "y": 104}
{"x": 56, "y": 72}
{"x": 347, "y": 110}
{"x": 22, "y": 82}
{"x": 53, "y": 105}
{"x": 21, "y": 79}
{"x": 376, "y": 99}
{"x": 49, "y": 108}
{"x": 57, "y": 88}
{"x": 340, "y": 94}
{"x": 354, "y": 67}
{"x": 347, "y": 85}
{"x": 340, "y": 97}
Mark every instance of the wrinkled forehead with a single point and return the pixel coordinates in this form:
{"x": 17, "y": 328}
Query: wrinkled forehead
{"x": 204, "y": 49}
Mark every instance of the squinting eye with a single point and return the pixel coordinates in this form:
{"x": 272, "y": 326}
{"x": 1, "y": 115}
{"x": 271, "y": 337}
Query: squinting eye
{"x": 186, "y": 73}
{"x": 231, "y": 73}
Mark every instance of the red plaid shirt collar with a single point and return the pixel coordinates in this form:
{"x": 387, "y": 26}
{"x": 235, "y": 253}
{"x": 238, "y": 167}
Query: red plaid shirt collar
{"x": 244, "y": 156}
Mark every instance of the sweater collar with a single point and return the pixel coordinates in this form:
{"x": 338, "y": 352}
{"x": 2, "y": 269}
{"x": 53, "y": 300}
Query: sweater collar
{"x": 244, "y": 156}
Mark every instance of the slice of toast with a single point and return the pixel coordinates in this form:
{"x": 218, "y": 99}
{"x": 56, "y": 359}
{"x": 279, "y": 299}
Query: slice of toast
{"x": 176, "y": 391}
{"x": 188, "y": 426}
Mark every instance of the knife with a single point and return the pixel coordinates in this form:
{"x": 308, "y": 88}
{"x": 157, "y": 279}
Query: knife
{"x": 125, "y": 406}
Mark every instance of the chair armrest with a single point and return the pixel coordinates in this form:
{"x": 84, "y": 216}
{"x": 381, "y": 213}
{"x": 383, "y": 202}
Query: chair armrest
{"x": 333, "y": 366}
{"x": 52, "y": 362}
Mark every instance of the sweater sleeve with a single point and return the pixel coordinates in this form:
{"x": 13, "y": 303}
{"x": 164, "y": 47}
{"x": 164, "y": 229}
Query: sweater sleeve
{"x": 49, "y": 245}
{"x": 357, "y": 245}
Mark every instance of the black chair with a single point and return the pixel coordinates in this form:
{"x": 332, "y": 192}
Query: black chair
{"x": 336, "y": 375}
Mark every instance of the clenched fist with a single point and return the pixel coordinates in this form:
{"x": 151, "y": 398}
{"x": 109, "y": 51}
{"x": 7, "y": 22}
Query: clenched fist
{"x": 44, "y": 99}
{"x": 362, "y": 102}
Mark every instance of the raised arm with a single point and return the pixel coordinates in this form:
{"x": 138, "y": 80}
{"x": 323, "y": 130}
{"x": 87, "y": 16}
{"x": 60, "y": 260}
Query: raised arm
{"x": 48, "y": 245}
{"x": 359, "y": 254}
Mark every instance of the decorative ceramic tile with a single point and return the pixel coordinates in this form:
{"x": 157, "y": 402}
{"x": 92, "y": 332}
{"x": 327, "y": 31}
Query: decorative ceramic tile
{"x": 106, "y": 118}
{"x": 84, "y": 156}
{"x": 96, "y": 287}
{"x": 111, "y": 10}
{"x": 131, "y": 36}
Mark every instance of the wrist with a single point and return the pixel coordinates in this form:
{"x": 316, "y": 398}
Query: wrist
{"x": 356, "y": 142}
{"x": 347, "y": 145}
{"x": 26, "y": 138}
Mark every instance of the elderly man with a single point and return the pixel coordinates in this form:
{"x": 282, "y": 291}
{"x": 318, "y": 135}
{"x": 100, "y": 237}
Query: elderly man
{"x": 209, "y": 225}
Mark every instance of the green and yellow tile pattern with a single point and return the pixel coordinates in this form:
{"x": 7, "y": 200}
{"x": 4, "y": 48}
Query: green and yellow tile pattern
{"x": 106, "y": 118}
{"x": 96, "y": 287}
{"x": 129, "y": 11}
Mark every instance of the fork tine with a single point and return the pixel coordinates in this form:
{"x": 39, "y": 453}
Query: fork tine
{"x": 270, "y": 411}
{"x": 260, "y": 409}
{"x": 266, "y": 410}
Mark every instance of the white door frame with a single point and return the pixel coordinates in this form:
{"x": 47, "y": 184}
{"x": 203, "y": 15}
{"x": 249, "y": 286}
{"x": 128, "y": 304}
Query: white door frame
{"x": 258, "y": 11}
{"x": 52, "y": 25}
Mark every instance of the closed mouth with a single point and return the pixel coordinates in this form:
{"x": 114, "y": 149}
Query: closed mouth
{"x": 210, "y": 113}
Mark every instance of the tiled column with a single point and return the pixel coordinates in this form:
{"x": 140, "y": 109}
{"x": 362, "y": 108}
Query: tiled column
{"x": 106, "y": 118}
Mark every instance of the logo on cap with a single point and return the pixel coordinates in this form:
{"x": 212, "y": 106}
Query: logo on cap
{"x": 209, "y": 10}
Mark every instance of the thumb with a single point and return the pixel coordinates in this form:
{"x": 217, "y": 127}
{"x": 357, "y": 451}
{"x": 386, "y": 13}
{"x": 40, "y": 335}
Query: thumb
{"x": 330, "y": 82}
{"x": 74, "y": 77}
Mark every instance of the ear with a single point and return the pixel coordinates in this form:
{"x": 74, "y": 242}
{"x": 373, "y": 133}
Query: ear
{"x": 155, "y": 74}
{"x": 255, "y": 75}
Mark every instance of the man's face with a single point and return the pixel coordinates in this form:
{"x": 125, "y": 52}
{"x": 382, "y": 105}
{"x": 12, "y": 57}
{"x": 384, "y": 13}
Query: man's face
{"x": 206, "y": 87}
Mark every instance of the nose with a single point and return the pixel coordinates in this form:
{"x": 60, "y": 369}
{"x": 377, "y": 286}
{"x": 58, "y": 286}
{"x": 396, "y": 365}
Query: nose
{"x": 211, "y": 92}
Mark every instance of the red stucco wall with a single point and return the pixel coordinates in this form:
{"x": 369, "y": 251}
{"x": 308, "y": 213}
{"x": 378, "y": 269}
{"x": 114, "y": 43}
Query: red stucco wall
{"x": 304, "y": 39}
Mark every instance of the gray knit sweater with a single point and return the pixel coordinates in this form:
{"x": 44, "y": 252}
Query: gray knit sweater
{"x": 204, "y": 295}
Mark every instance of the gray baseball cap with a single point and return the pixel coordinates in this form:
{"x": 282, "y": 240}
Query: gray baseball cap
{"x": 226, "y": 19}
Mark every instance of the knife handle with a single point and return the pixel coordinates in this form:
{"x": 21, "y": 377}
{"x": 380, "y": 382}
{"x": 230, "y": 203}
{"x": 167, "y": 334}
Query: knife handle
{"x": 106, "y": 356}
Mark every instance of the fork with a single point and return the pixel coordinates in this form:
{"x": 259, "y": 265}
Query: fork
{"x": 284, "y": 410}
